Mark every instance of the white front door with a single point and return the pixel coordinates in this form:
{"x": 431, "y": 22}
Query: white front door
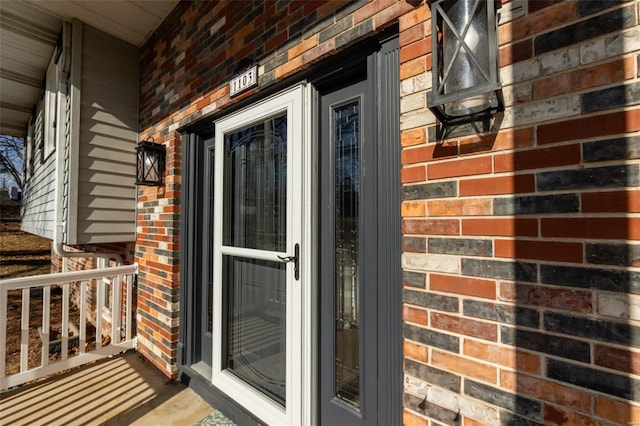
{"x": 258, "y": 288}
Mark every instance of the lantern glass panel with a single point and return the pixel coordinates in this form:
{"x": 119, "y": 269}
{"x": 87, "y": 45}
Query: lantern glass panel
{"x": 149, "y": 164}
{"x": 465, "y": 65}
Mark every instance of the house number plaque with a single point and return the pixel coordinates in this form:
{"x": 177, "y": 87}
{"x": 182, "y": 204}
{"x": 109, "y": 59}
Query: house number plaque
{"x": 246, "y": 80}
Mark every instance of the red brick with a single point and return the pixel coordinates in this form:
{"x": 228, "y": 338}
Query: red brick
{"x": 276, "y": 40}
{"x": 412, "y": 34}
{"x": 289, "y": 67}
{"x": 559, "y": 416}
{"x": 508, "y": 139}
{"x": 466, "y": 167}
{"x": 303, "y": 46}
{"x": 411, "y": 69}
{"x": 415, "y": 315}
{"x": 546, "y": 390}
{"x": 500, "y": 227}
{"x": 370, "y": 10}
{"x": 203, "y": 103}
{"x": 537, "y": 23}
{"x": 466, "y": 207}
{"x": 464, "y": 366}
{"x": 539, "y": 250}
{"x": 415, "y": 50}
{"x": 516, "y": 52}
{"x": 590, "y": 127}
{"x": 330, "y": 6}
{"x": 413, "y": 137}
{"x": 505, "y": 356}
{"x": 611, "y": 228}
{"x": 538, "y": 158}
{"x": 413, "y": 174}
{"x": 611, "y": 202}
{"x": 427, "y": 153}
{"x": 599, "y": 75}
{"x": 431, "y": 227}
{"x": 391, "y": 13}
{"x": 468, "y": 327}
{"x": 463, "y": 285}
{"x": 413, "y": 209}
{"x": 498, "y": 185}
{"x": 412, "y": 419}
{"x": 319, "y": 52}
{"x": 536, "y": 5}
{"x": 415, "y": 351}
{"x": 416, "y": 16}
{"x": 617, "y": 411}
{"x": 468, "y": 421}
{"x": 548, "y": 297}
{"x": 618, "y": 359}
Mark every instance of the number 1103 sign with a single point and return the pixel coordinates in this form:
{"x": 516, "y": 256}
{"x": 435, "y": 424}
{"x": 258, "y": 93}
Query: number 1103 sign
{"x": 244, "y": 81}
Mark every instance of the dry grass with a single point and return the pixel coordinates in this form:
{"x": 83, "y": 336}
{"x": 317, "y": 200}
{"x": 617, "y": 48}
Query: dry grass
{"x": 21, "y": 254}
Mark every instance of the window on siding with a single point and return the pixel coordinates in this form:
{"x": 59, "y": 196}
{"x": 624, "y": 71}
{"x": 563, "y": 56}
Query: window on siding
{"x": 51, "y": 107}
{"x": 28, "y": 150}
{"x": 38, "y": 136}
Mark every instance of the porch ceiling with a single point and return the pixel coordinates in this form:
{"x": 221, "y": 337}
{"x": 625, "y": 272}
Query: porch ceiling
{"x": 29, "y": 31}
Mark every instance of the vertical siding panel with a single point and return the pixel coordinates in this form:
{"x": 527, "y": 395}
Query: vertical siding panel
{"x": 107, "y": 137}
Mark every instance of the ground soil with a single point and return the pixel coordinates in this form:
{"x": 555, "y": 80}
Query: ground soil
{"x": 23, "y": 254}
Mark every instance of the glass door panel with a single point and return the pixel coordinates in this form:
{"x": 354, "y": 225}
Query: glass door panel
{"x": 255, "y": 196}
{"x": 255, "y": 217}
{"x": 255, "y": 327}
{"x": 346, "y": 128}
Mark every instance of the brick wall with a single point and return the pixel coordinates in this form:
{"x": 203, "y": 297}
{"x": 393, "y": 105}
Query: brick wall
{"x": 520, "y": 255}
{"x": 520, "y": 260}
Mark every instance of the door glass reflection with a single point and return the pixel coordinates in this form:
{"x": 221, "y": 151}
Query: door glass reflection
{"x": 255, "y": 190}
{"x": 255, "y": 324}
{"x": 346, "y": 124}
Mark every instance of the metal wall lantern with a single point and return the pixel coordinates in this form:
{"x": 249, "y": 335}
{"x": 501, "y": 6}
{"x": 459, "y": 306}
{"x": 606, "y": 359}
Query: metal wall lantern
{"x": 466, "y": 84}
{"x": 151, "y": 163}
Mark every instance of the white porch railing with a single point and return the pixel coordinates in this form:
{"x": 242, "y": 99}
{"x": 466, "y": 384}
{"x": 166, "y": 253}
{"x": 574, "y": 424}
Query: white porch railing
{"x": 81, "y": 283}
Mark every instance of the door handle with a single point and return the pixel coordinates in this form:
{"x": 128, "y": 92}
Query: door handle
{"x": 296, "y": 259}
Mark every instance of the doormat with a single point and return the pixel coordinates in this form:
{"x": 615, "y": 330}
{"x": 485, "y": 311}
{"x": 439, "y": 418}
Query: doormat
{"x": 215, "y": 419}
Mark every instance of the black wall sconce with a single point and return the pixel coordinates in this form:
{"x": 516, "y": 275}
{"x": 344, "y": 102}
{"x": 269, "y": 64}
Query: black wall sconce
{"x": 466, "y": 79}
{"x": 151, "y": 163}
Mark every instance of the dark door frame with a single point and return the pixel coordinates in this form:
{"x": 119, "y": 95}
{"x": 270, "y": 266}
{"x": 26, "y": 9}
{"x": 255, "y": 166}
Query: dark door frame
{"x": 380, "y": 69}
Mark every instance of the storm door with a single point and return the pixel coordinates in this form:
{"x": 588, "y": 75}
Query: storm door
{"x": 256, "y": 257}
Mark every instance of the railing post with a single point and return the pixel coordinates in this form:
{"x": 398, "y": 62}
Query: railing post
{"x": 64, "y": 350}
{"x": 3, "y": 334}
{"x": 116, "y": 308}
{"x": 129, "y": 307}
{"x": 46, "y": 306}
{"x": 99, "y": 305}
{"x": 83, "y": 317}
{"x": 24, "y": 335}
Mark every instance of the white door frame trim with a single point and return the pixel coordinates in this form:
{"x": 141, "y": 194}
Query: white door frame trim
{"x": 300, "y": 312}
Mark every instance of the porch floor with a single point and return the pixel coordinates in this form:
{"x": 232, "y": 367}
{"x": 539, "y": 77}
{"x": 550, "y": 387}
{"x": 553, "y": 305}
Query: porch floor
{"x": 124, "y": 390}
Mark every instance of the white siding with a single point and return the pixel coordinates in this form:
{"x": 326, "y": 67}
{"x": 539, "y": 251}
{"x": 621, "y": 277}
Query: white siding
{"x": 38, "y": 194}
{"x": 99, "y": 117}
{"x": 108, "y": 135}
